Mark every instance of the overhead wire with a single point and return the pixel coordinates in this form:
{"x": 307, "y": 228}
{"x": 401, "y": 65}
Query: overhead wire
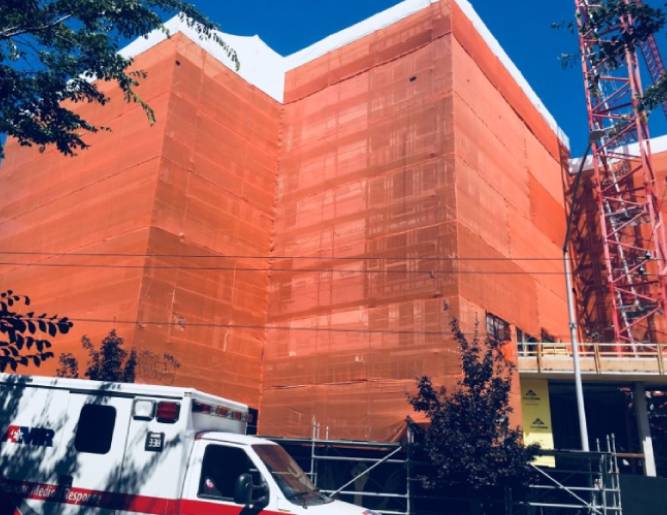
{"x": 236, "y": 268}
{"x": 286, "y": 270}
{"x": 250, "y": 256}
{"x": 280, "y": 257}
{"x": 268, "y": 327}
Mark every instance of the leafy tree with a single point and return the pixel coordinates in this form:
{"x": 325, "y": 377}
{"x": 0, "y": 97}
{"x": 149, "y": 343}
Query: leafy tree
{"x": 25, "y": 337}
{"x": 69, "y": 366}
{"x": 112, "y": 363}
{"x": 473, "y": 450}
{"x": 604, "y": 19}
{"x": 52, "y": 51}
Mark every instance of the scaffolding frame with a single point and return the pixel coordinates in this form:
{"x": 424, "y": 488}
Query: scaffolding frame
{"x": 588, "y": 482}
{"x": 590, "y": 485}
{"x": 369, "y": 455}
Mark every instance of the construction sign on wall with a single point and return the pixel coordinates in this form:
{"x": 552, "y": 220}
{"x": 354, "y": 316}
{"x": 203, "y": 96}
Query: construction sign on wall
{"x": 536, "y": 410}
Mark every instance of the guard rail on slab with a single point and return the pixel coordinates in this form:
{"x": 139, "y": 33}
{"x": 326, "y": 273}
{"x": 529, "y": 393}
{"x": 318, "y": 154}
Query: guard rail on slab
{"x": 640, "y": 359}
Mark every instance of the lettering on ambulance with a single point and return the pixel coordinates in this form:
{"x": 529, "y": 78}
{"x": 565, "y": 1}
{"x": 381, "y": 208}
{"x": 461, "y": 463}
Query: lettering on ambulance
{"x": 124, "y": 502}
{"x": 23, "y": 435}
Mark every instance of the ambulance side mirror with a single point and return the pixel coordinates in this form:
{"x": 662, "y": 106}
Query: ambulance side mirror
{"x": 243, "y": 490}
{"x": 247, "y": 494}
{"x": 260, "y": 496}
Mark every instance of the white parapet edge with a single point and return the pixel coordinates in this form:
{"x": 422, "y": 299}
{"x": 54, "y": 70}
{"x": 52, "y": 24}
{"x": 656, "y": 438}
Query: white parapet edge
{"x": 516, "y": 74}
{"x": 658, "y": 145}
{"x": 260, "y": 66}
{"x": 264, "y": 68}
{"x": 357, "y": 31}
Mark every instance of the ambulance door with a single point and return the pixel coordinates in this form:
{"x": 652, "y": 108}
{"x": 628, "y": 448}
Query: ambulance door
{"x": 212, "y": 474}
{"x": 34, "y": 429}
{"x": 96, "y": 452}
{"x": 158, "y": 447}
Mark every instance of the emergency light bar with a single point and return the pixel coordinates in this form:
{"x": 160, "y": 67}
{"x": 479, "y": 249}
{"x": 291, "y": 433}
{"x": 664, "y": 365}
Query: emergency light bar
{"x": 165, "y": 412}
{"x": 218, "y": 411}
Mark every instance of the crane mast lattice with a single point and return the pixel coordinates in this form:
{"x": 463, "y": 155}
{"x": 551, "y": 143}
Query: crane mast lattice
{"x": 630, "y": 223}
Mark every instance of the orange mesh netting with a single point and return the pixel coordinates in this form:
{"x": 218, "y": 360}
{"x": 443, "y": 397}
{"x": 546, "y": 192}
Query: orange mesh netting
{"x": 399, "y": 148}
{"x": 392, "y": 158}
{"x": 201, "y": 181}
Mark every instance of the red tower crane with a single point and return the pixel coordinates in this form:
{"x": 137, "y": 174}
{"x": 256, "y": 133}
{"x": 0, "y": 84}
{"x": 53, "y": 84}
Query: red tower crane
{"x": 654, "y": 62}
{"x": 630, "y": 224}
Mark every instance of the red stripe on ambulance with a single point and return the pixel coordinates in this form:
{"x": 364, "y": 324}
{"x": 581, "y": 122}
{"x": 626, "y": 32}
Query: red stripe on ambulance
{"x": 116, "y": 501}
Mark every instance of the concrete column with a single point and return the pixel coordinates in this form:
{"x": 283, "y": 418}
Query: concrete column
{"x": 644, "y": 429}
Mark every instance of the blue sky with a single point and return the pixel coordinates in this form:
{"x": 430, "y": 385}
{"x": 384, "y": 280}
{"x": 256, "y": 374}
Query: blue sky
{"x": 522, "y": 28}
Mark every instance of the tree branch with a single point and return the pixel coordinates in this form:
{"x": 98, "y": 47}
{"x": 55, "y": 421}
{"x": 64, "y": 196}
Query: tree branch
{"x": 16, "y": 31}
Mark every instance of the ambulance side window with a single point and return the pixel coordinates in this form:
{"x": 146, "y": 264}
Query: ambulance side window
{"x": 95, "y": 429}
{"x": 221, "y": 468}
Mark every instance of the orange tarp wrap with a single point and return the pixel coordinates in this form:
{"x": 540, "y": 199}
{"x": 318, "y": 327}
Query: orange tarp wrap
{"x": 354, "y": 202}
{"x": 660, "y": 170}
{"x": 401, "y": 146}
{"x": 201, "y": 181}
{"x": 659, "y": 163}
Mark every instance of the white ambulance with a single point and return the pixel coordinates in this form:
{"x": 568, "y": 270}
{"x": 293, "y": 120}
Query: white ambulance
{"x": 72, "y": 446}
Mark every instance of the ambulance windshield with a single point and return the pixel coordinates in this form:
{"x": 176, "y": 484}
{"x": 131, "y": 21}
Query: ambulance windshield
{"x": 291, "y": 479}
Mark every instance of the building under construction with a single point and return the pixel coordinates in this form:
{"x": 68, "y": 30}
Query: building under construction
{"x": 300, "y": 232}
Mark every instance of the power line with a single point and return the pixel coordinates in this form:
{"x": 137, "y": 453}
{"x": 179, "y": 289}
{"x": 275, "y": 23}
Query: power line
{"x": 284, "y": 257}
{"x": 286, "y": 270}
{"x": 272, "y": 257}
{"x": 262, "y": 327}
{"x": 185, "y": 325}
{"x": 430, "y": 273}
